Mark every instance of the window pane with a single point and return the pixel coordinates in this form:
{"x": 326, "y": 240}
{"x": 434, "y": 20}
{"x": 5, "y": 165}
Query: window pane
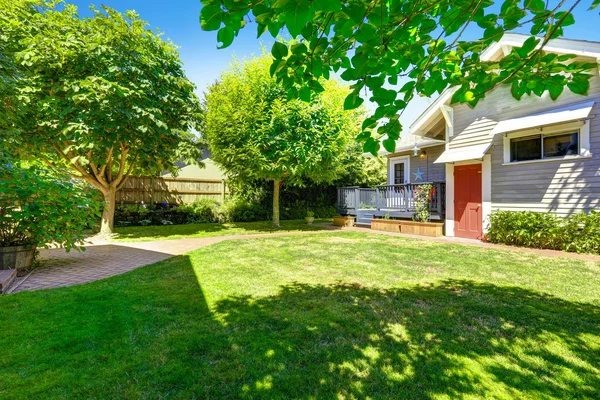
{"x": 399, "y": 173}
{"x": 527, "y": 148}
{"x": 561, "y": 145}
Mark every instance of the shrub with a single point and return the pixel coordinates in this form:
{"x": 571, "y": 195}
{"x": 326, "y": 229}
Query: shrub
{"x": 42, "y": 207}
{"x": 238, "y": 210}
{"x": 577, "y": 233}
{"x": 582, "y": 233}
{"x": 201, "y": 210}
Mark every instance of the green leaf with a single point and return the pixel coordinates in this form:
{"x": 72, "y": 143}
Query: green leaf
{"x": 327, "y": 5}
{"x": 579, "y": 86}
{"x": 595, "y": 4}
{"x": 569, "y": 19}
{"x": 296, "y": 15}
{"x": 371, "y": 146}
{"x": 389, "y": 145}
{"x": 225, "y": 36}
{"x": 535, "y": 5}
{"x": 555, "y": 91}
{"x": 279, "y": 50}
{"x": 353, "y": 100}
{"x": 211, "y": 18}
{"x": 304, "y": 94}
{"x": 516, "y": 90}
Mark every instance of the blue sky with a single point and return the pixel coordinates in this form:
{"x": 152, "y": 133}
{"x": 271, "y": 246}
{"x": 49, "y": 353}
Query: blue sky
{"x": 203, "y": 62}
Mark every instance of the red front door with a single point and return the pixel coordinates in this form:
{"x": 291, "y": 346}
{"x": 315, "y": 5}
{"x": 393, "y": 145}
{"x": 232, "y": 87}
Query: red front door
{"x": 467, "y": 201}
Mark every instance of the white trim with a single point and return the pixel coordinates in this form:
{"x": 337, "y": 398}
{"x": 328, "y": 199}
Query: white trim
{"x": 581, "y": 48}
{"x": 548, "y": 118}
{"x": 433, "y": 109}
{"x": 553, "y": 159}
{"x": 397, "y": 160}
{"x": 486, "y": 191}
{"x": 473, "y": 152}
{"x": 450, "y": 200}
{"x": 584, "y": 141}
{"x": 448, "y": 113}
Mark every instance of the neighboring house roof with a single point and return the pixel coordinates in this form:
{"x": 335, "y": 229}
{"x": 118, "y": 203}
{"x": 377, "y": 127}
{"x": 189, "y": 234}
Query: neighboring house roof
{"x": 210, "y": 171}
{"x": 498, "y": 50}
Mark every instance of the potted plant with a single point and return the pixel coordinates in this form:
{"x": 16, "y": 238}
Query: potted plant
{"x": 310, "y": 217}
{"x": 39, "y": 207}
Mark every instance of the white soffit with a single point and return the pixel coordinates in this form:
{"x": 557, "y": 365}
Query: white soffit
{"x": 475, "y": 152}
{"x": 570, "y": 113}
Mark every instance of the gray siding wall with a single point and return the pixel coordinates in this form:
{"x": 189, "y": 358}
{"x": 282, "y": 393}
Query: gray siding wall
{"x": 561, "y": 187}
{"x": 431, "y": 172}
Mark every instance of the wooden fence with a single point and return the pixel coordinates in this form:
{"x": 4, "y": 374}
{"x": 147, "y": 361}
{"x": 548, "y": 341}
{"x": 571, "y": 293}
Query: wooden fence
{"x": 170, "y": 190}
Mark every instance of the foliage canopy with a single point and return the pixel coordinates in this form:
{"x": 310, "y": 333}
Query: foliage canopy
{"x": 103, "y": 95}
{"x": 255, "y": 132}
{"x": 396, "y": 50}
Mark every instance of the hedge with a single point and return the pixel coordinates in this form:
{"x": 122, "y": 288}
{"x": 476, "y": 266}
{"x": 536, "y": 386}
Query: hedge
{"x": 578, "y": 233}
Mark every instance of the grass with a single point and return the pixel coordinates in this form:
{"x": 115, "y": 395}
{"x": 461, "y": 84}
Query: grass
{"x": 345, "y": 314}
{"x": 170, "y": 232}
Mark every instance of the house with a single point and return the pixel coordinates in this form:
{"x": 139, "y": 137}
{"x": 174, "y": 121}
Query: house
{"x": 505, "y": 154}
{"x": 210, "y": 171}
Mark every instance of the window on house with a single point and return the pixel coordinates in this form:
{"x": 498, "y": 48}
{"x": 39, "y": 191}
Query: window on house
{"x": 399, "y": 173}
{"x": 539, "y": 147}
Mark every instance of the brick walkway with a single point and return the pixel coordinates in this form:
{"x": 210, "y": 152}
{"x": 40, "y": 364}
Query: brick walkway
{"x": 104, "y": 259}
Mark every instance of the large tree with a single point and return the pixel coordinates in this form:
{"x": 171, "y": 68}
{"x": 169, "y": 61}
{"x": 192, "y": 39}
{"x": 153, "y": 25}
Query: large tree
{"x": 103, "y": 95}
{"x": 255, "y": 132}
{"x": 399, "y": 49}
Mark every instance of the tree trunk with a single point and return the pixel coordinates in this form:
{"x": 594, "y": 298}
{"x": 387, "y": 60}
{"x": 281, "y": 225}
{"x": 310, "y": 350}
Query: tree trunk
{"x": 276, "y": 184}
{"x": 108, "y": 215}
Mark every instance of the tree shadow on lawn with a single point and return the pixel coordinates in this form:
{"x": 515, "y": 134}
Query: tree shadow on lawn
{"x": 458, "y": 338}
{"x": 214, "y": 229}
{"x": 152, "y": 334}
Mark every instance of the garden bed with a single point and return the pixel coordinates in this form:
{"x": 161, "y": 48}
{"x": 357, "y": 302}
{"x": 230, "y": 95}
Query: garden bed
{"x": 409, "y": 227}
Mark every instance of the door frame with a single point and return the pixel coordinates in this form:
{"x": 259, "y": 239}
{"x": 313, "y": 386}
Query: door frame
{"x": 486, "y": 192}
{"x": 398, "y": 160}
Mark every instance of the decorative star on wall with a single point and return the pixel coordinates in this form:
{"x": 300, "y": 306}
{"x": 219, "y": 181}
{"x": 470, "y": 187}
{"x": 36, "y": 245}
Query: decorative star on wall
{"x": 418, "y": 175}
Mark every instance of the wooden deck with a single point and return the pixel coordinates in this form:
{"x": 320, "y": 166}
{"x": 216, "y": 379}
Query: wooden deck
{"x": 397, "y": 201}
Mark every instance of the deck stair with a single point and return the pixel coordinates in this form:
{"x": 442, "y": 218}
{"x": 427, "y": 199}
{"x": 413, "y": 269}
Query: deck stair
{"x": 7, "y": 277}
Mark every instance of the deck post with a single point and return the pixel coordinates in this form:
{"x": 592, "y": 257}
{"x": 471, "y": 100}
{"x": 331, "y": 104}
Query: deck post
{"x": 377, "y": 198}
{"x": 438, "y": 192}
{"x": 357, "y": 199}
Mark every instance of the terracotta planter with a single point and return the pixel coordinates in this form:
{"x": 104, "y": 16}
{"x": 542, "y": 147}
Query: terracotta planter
{"x": 387, "y": 225}
{"x": 343, "y": 221}
{"x": 309, "y": 220}
{"x": 422, "y": 228}
{"x": 17, "y": 257}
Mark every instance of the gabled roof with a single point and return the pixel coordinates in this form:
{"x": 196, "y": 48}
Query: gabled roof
{"x": 407, "y": 143}
{"x": 498, "y": 50}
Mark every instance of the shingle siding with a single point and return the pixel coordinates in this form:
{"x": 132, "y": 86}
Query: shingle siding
{"x": 562, "y": 187}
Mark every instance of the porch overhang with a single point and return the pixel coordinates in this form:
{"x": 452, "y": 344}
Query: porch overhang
{"x": 575, "y": 112}
{"x": 475, "y": 152}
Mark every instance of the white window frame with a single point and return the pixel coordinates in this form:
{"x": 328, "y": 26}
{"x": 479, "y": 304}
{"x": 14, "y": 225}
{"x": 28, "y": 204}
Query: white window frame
{"x": 584, "y": 141}
{"x": 398, "y": 160}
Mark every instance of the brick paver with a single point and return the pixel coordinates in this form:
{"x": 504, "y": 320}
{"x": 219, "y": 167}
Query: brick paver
{"x": 104, "y": 259}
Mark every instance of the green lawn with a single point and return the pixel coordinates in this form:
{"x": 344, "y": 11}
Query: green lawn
{"x": 339, "y": 315}
{"x": 170, "y": 232}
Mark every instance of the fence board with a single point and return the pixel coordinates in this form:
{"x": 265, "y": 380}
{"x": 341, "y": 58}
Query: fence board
{"x": 170, "y": 190}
